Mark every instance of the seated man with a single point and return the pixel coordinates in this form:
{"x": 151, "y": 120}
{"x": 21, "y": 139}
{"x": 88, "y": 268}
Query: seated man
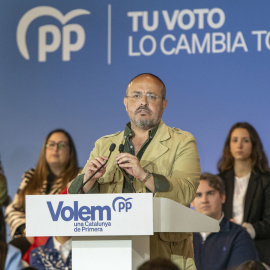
{"x": 232, "y": 245}
{"x": 55, "y": 254}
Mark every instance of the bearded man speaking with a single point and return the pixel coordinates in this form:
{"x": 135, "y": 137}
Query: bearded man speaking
{"x": 154, "y": 158}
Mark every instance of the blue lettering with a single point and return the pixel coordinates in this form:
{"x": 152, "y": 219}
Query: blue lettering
{"x": 54, "y": 215}
{"x": 128, "y": 206}
{"x": 100, "y": 209}
{"x": 121, "y": 206}
{"x": 84, "y": 210}
{"x": 83, "y": 213}
{"x": 71, "y": 213}
{"x": 76, "y": 211}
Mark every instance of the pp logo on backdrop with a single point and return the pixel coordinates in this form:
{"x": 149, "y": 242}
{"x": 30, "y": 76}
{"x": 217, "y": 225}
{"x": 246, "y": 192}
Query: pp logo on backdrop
{"x": 44, "y": 46}
{"x": 121, "y": 204}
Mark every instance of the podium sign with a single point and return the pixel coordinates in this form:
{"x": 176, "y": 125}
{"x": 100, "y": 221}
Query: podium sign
{"x": 87, "y": 215}
{"x": 110, "y": 231}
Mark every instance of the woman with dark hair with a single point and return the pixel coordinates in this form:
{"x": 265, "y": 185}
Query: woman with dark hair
{"x": 56, "y": 167}
{"x": 245, "y": 171}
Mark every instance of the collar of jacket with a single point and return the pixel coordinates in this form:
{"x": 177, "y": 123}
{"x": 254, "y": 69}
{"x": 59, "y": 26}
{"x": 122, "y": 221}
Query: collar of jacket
{"x": 154, "y": 150}
{"x": 228, "y": 177}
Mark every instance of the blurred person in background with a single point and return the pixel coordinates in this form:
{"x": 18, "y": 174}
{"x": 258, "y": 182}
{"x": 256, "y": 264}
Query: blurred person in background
{"x": 4, "y": 198}
{"x": 10, "y": 256}
{"x": 56, "y": 167}
{"x": 227, "y": 248}
{"x": 55, "y": 254}
{"x": 245, "y": 171}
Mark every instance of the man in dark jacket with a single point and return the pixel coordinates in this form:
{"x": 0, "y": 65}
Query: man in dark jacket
{"x": 232, "y": 245}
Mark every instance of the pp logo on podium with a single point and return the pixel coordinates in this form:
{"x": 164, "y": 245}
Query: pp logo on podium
{"x": 45, "y": 46}
{"x": 121, "y": 204}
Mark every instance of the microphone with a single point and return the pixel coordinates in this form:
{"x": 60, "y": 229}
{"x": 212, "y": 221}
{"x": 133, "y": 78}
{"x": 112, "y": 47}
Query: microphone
{"x": 121, "y": 150}
{"x": 111, "y": 149}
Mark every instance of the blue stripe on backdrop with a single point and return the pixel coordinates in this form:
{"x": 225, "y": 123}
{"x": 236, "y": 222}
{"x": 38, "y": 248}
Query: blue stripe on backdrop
{"x": 212, "y": 55}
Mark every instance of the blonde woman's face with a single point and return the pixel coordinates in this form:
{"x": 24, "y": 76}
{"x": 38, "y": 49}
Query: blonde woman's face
{"x": 57, "y": 150}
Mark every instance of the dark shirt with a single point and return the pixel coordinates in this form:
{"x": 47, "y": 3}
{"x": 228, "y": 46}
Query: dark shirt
{"x": 46, "y": 257}
{"x": 256, "y": 208}
{"x": 129, "y": 148}
{"x": 160, "y": 181}
{"x": 226, "y": 249}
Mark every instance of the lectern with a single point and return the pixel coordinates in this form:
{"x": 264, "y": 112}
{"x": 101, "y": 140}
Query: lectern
{"x": 110, "y": 231}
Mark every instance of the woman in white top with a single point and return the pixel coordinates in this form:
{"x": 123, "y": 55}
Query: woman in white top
{"x": 245, "y": 171}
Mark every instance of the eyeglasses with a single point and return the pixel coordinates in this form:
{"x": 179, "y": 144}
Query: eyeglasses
{"x": 60, "y": 145}
{"x": 150, "y": 97}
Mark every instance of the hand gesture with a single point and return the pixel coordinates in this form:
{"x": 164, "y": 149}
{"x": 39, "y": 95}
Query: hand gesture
{"x": 131, "y": 165}
{"x": 91, "y": 168}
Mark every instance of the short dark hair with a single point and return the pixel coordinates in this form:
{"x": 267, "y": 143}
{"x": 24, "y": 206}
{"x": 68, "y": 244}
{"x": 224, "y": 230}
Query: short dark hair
{"x": 159, "y": 264}
{"x": 214, "y": 182}
{"x": 156, "y": 77}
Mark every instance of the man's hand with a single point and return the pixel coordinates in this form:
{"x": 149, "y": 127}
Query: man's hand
{"x": 131, "y": 165}
{"x": 91, "y": 168}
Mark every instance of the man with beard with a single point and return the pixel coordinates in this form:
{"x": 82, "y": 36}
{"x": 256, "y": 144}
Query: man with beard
{"x": 156, "y": 158}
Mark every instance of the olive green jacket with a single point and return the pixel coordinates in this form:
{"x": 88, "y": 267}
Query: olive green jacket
{"x": 173, "y": 154}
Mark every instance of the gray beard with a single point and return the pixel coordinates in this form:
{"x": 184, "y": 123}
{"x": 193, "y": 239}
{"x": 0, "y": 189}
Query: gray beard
{"x": 144, "y": 124}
